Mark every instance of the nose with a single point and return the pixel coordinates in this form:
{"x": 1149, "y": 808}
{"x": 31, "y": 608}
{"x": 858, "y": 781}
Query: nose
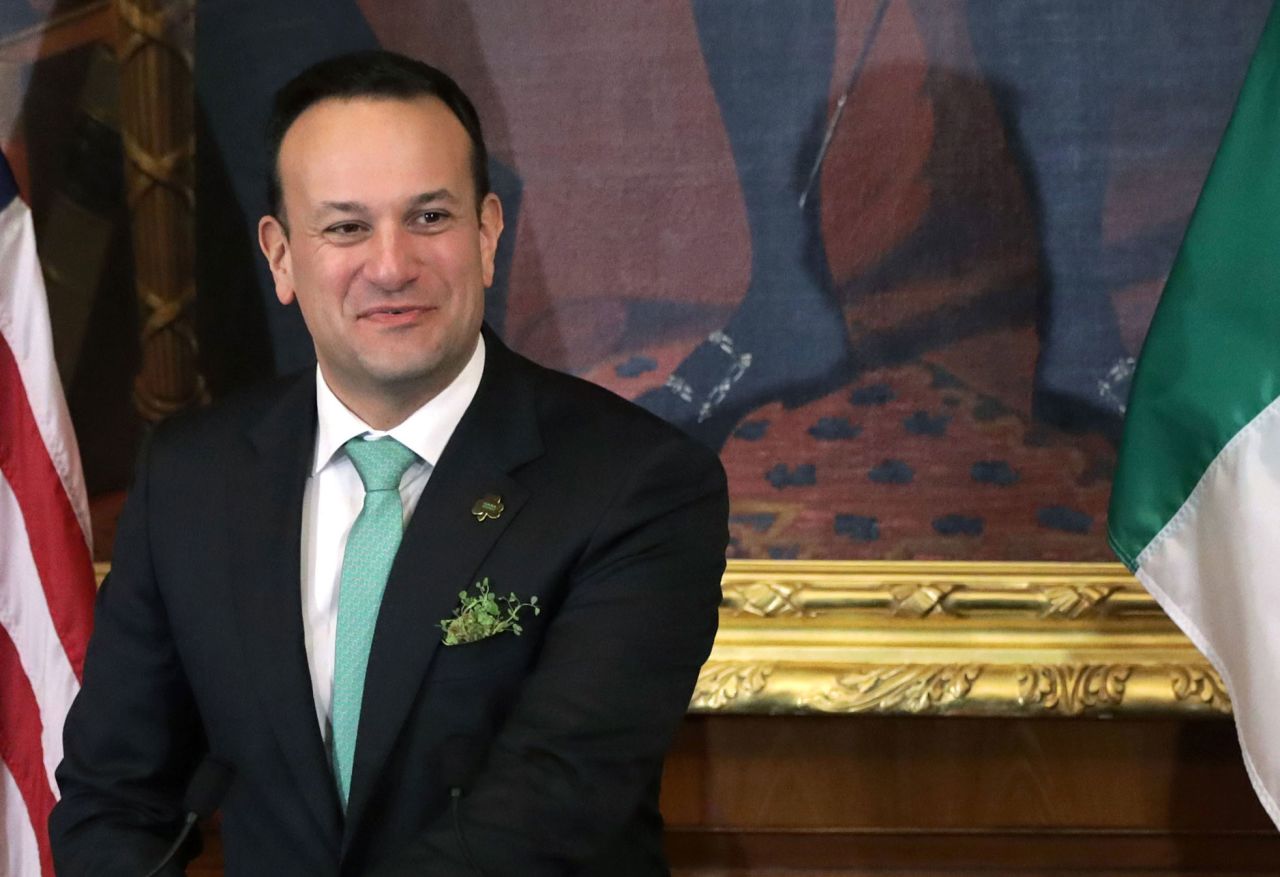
{"x": 392, "y": 263}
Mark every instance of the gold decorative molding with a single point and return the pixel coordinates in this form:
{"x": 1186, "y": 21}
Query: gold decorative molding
{"x": 942, "y": 638}
{"x": 763, "y": 599}
{"x": 916, "y": 589}
{"x": 910, "y": 688}
{"x": 1200, "y": 685}
{"x": 1072, "y": 689}
{"x": 1075, "y": 601}
{"x": 719, "y": 685}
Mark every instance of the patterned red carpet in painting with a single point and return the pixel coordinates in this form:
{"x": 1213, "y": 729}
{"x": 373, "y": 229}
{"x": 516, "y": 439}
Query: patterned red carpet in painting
{"x": 906, "y": 462}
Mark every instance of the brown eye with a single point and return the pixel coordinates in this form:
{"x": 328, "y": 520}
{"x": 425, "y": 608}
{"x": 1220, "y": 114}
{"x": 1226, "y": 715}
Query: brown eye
{"x": 346, "y": 228}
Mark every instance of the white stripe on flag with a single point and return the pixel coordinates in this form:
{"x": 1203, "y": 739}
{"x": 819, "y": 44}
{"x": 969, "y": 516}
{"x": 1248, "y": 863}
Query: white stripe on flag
{"x": 24, "y": 322}
{"x": 1214, "y": 568}
{"x": 21, "y": 855}
{"x": 24, "y": 614}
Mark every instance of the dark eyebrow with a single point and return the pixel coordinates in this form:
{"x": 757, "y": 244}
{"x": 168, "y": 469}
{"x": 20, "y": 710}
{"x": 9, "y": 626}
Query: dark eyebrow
{"x": 342, "y": 207}
{"x": 437, "y": 195}
{"x": 358, "y": 207}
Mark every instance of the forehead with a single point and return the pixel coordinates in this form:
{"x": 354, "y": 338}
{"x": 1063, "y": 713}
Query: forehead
{"x": 374, "y": 144}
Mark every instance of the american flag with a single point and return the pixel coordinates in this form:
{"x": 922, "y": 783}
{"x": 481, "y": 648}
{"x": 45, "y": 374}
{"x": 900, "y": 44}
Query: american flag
{"x": 46, "y": 572}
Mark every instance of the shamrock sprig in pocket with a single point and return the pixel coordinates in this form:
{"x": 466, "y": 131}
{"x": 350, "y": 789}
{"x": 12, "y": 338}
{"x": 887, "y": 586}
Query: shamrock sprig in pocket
{"x": 484, "y": 615}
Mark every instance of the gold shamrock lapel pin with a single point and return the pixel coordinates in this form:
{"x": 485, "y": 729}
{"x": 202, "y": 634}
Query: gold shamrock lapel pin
{"x": 488, "y": 508}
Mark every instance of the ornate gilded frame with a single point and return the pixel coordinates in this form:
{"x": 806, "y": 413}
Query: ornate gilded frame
{"x": 974, "y": 639}
{"x": 1007, "y": 639}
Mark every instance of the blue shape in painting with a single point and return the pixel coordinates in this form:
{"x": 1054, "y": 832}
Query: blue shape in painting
{"x": 875, "y": 394}
{"x": 892, "y": 472}
{"x": 759, "y": 522}
{"x": 860, "y": 528}
{"x": 988, "y": 409}
{"x": 922, "y": 423}
{"x": 833, "y": 429}
{"x": 958, "y": 525}
{"x": 635, "y": 366}
{"x": 8, "y": 186}
{"x": 1057, "y": 517}
{"x": 944, "y": 380}
{"x": 784, "y": 552}
{"x": 752, "y": 430}
{"x": 803, "y": 475}
{"x": 996, "y": 472}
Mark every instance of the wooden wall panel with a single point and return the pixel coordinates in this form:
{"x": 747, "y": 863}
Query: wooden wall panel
{"x": 949, "y": 796}
{"x": 852, "y": 796}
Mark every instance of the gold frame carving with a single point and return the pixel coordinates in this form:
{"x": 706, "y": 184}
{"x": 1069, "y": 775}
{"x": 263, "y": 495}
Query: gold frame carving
{"x": 949, "y": 638}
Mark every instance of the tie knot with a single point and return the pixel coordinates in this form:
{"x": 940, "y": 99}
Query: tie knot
{"x": 381, "y": 463}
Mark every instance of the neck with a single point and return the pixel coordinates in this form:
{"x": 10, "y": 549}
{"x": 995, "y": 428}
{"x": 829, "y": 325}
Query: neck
{"x": 385, "y": 406}
{"x": 381, "y": 414}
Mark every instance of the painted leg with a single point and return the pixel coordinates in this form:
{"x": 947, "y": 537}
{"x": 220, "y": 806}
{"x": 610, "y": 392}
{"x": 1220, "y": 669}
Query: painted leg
{"x": 770, "y": 66}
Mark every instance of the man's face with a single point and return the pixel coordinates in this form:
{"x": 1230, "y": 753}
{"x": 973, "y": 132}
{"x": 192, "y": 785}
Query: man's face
{"x": 384, "y": 254}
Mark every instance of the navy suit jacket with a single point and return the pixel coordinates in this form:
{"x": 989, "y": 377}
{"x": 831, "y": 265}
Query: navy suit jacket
{"x": 614, "y": 520}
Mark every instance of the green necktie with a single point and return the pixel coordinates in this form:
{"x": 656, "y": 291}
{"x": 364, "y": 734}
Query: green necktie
{"x": 371, "y": 547}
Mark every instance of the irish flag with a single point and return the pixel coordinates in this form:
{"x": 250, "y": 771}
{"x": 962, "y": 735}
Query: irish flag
{"x": 1195, "y": 511}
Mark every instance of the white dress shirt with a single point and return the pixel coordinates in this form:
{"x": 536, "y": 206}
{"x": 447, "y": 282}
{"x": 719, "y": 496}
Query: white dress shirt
{"x": 334, "y": 495}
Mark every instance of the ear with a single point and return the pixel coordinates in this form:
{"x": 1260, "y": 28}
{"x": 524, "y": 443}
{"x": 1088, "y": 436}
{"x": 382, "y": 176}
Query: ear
{"x": 274, "y": 241}
{"x": 490, "y": 231}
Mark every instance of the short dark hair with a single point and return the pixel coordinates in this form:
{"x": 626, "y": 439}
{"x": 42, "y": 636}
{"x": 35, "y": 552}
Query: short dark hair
{"x": 374, "y": 73}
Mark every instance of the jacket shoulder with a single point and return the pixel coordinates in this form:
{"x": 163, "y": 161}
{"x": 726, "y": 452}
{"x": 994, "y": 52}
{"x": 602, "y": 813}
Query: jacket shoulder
{"x": 211, "y": 429}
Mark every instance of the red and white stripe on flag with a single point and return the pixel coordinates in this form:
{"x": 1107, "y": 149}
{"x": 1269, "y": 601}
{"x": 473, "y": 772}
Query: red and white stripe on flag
{"x": 46, "y": 570}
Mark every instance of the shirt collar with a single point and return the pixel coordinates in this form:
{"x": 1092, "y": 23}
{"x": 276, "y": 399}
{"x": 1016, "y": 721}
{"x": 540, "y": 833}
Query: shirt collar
{"x": 425, "y": 431}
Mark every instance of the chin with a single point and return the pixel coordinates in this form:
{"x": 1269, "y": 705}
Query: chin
{"x": 400, "y": 372}
{"x": 412, "y": 365}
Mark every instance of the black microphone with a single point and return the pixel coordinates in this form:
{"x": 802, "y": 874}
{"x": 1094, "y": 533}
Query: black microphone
{"x": 205, "y": 792}
{"x": 459, "y": 761}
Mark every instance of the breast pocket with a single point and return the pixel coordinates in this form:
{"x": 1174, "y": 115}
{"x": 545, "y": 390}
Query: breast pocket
{"x": 496, "y": 655}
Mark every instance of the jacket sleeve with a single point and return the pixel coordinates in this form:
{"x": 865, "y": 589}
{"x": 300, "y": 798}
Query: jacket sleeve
{"x": 617, "y": 668}
{"x": 132, "y": 735}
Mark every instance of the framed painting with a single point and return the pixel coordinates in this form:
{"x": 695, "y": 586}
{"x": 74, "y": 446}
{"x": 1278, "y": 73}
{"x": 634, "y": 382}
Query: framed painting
{"x": 893, "y": 259}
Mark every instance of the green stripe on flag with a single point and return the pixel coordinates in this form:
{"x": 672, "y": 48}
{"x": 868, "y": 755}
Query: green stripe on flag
{"x": 1211, "y": 361}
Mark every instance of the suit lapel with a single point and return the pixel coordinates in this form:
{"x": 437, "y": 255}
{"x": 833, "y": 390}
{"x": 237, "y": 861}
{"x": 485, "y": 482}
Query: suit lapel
{"x": 266, "y": 547}
{"x": 440, "y": 554}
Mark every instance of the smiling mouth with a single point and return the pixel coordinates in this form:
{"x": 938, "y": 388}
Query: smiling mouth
{"x": 394, "y": 312}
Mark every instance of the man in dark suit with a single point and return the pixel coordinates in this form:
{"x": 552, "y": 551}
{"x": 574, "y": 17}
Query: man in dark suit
{"x": 225, "y": 630}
